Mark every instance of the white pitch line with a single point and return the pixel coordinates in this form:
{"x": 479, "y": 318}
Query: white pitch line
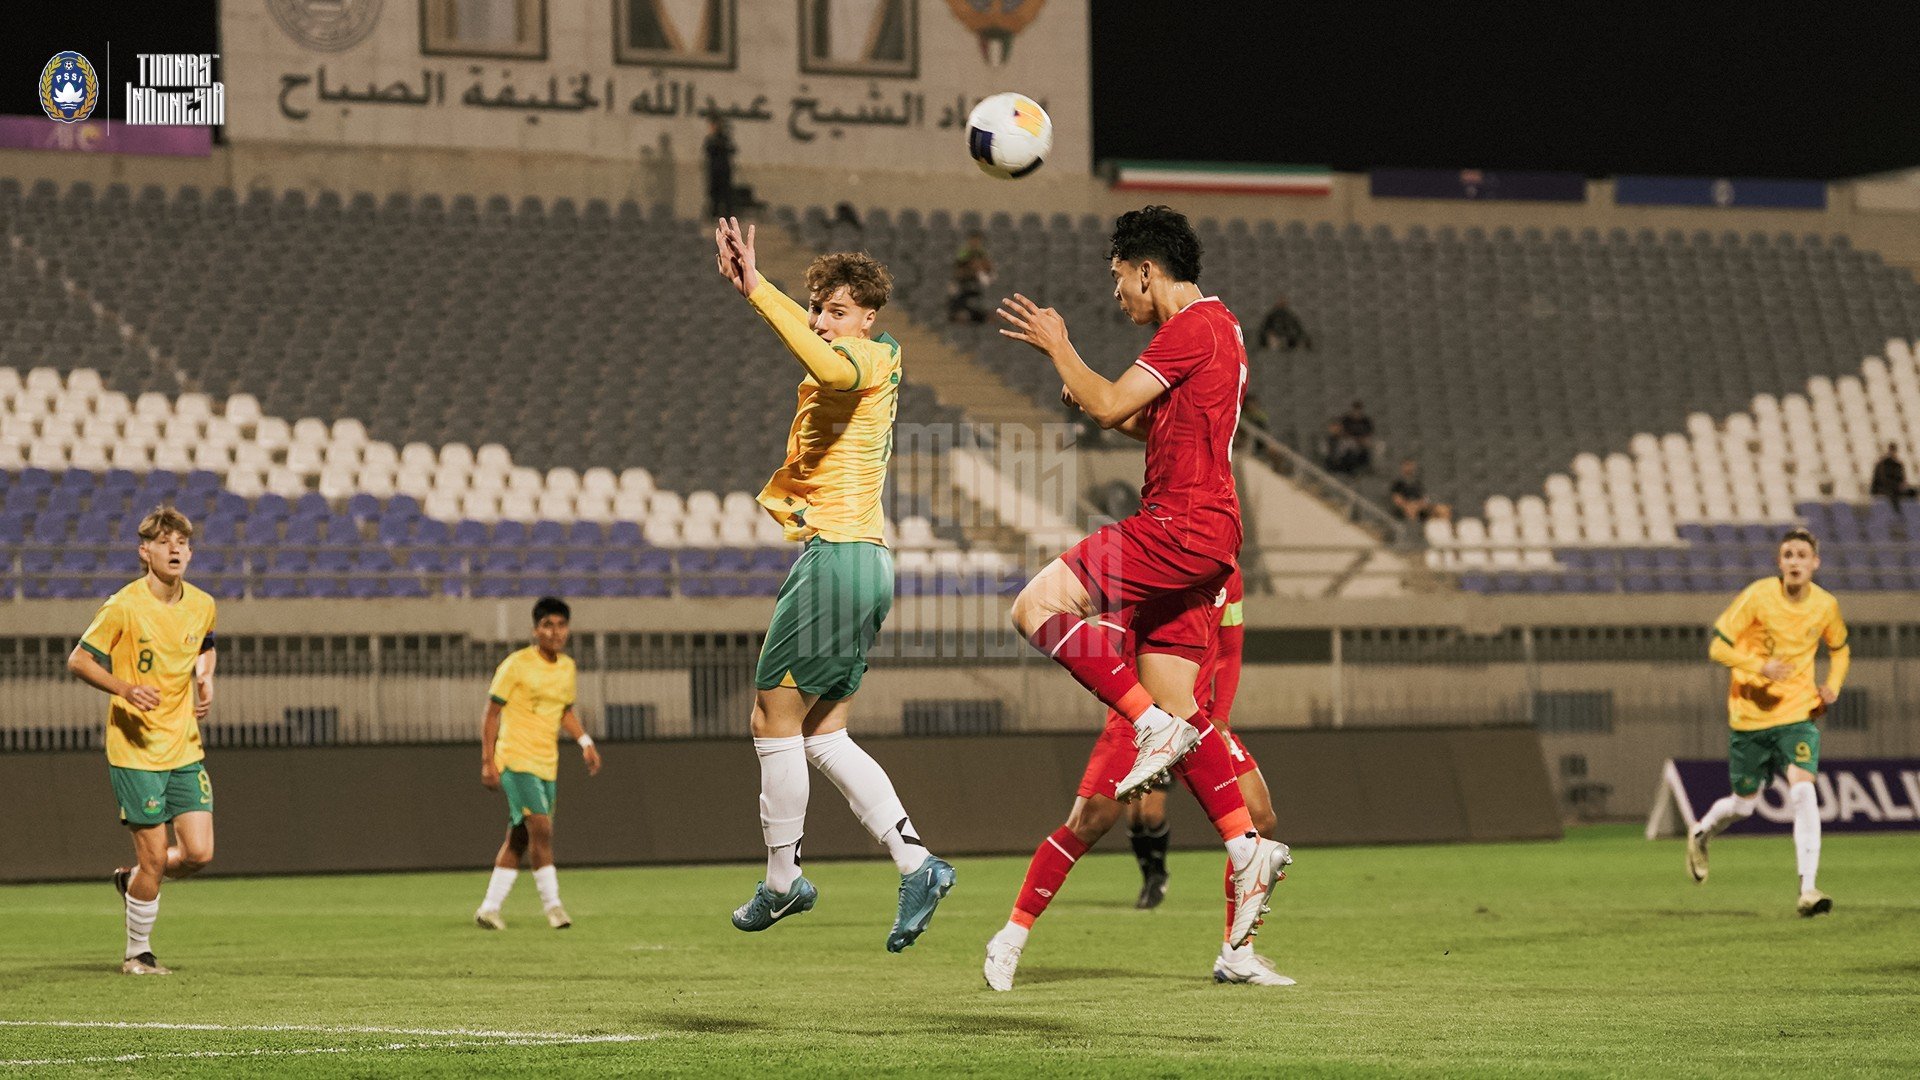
{"x": 310, "y": 1029}
{"x": 375, "y": 1048}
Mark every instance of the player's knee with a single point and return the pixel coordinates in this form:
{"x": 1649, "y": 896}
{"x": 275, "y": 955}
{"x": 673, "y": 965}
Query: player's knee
{"x": 195, "y": 858}
{"x": 1745, "y": 805}
{"x": 1090, "y": 821}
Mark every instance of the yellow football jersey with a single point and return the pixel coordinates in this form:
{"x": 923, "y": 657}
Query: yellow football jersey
{"x": 150, "y": 643}
{"x": 1762, "y": 625}
{"x": 534, "y": 694}
{"x": 841, "y": 439}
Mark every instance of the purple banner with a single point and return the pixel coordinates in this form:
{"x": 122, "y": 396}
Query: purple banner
{"x": 1855, "y": 796}
{"x": 104, "y": 137}
{"x": 1477, "y": 184}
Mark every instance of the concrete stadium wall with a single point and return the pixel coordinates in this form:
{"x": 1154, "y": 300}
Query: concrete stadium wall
{"x": 412, "y": 808}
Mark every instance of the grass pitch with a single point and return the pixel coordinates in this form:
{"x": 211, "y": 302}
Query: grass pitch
{"x": 1593, "y": 956}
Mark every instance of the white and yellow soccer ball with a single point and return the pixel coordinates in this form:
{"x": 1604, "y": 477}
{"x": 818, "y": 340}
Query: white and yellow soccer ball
{"x": 1009, "y": 136}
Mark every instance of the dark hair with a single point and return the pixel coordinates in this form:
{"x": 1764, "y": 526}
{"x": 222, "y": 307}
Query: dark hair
{"x": 866, "y": 280}
{"x": 1162, "y": 234}
{"x": 551, "y": 605}
{"x": 1800, "y": 534}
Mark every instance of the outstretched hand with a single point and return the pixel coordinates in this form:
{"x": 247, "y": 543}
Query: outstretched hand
{"x": 735, "y": 255}
{"x": 1042, "y": 328}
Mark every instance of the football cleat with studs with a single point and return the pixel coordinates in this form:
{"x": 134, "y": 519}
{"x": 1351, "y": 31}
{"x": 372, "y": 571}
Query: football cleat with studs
{"x": 1253, "y": 888}
{"x": 143, "y": 964}
{"x": 1814, "y": 902}
{"x": 489, "y": 919}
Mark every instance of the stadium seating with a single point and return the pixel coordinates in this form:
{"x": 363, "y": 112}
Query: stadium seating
{"x": 1490, "y": 357}
{"x": 458, "y": 364}
{"x": 311, "y": 509}
{"x": 1704, "y": 510}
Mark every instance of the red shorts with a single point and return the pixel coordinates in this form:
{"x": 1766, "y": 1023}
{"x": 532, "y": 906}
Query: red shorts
{"x": 1171, "y": 594}
{"x": 1113, "y": 757}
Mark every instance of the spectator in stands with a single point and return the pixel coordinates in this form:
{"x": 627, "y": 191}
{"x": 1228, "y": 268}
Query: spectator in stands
{"x": 1410, "y": 496}
{"x": 845, "y": 214}
{"x": 719, "y": 149}
{"x": 1338, "y": 453}
{"x": 972, "y": 273}
{"x": 1358, "y": 427}
{"x": 1890, "y": 478}
{"x": 1282, "y": 329}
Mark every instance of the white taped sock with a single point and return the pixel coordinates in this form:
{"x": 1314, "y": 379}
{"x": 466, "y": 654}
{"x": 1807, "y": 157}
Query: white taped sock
{"x": 1725, "y": 811}
{"x": 1806, "y": 831}
{"x": 783, "y": 806}
{"x": 141, "y": 915}
{"x": 498, "y": 887}
{"x": 1241, "y": 848}
{"x": 1014, "y": 934}
{"x": 1153, "y": 715}
{"x": 870, "y": 794}
{"x": 547, "y": 880}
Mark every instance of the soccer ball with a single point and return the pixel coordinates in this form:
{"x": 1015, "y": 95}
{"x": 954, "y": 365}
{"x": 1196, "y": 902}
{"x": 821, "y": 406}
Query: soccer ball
{"x": 1009, "y": 135}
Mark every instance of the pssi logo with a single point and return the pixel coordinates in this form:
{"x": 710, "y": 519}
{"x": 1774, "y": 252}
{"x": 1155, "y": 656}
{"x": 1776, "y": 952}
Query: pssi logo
{"x": 69, "y": 89}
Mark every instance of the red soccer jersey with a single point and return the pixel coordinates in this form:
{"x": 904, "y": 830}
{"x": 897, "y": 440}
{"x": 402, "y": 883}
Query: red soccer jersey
{"x": 1200, "y": 356}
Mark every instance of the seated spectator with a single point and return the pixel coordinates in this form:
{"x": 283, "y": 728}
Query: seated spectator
{"x": 845, "y": 214}
{"x": 1283, "y": 330}
{"x": 1890, "y": 478}
{"x": 1338, "y": 453}
{"x": 1359, "y": 428}
{"x": 972, "y": 273}
{"x": 1410, "y": 496}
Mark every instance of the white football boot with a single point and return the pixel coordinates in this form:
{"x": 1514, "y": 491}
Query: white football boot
{"x": 1160, "y": 740}
{"x": 1253, "y": 888}
{"x": 1003, "y": 958}
{"x": 1253, "y": 970}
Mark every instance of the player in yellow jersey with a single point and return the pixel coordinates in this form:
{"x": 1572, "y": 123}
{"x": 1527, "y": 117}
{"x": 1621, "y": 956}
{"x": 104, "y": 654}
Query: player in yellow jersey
{"x": 151, "y": 648}
{"x": 528, "y": 705}
{"x": 826, "y": 495}
{"x": 1769, "y": 637}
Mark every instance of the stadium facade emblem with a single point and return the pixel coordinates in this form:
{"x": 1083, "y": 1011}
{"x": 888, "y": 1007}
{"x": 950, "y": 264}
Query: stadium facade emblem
{"x": 997, "y": 22}
{"x": 326, "y": 25}
{"x": 69, "y": 89}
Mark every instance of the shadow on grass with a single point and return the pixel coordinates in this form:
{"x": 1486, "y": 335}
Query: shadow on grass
{"x": 695, "y": 1024}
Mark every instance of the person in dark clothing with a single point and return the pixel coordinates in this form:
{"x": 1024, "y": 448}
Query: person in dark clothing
{"x": 972, "y": 273}
{"x": 1358, "y": 427}
{"x": 1890, "y": 478}
{"x": 1410, "y": 496}
{"x": 719, "y": 149}
{"x": 1282, "y": 329}
{"x": 1339, "y": 454}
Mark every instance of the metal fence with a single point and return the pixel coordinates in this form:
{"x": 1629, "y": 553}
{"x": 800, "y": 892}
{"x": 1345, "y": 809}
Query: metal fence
{"x": 1610, "y": 702}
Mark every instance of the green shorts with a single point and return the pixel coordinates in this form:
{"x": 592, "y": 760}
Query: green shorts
{"x": 1754, "y": 757}
{"x": 155, "y": 797}
{"x": 527, "y": 794}
{"x": 829, "y": 611}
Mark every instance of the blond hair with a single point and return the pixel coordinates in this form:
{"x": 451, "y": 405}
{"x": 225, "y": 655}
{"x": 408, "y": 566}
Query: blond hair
{"x": 164, "y": 520}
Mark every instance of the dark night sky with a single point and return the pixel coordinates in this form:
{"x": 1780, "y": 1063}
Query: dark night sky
{"x": 1760, "y": 88}
{"x": 1718, "y": 89}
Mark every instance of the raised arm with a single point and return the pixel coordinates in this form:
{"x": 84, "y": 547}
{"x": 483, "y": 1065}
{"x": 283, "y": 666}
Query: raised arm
{"x": 1111, "y": 402}
{"x": 738, "y": 262}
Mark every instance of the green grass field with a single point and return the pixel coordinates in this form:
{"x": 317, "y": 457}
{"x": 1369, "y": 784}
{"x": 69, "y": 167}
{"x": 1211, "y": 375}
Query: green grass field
{"x": 1593, "y": 956}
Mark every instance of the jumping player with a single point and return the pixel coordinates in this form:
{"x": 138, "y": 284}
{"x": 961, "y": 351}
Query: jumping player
{"x": 529, "y": 705}
{"x": 151, "y": 648}
{"x": 1095, "y": 811}
{"x": 826, "y": 495}
{"x": 1165, "y": 565}
{"x": 1769, "y": 638}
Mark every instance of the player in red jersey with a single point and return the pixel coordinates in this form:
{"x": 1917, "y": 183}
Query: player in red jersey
{"x": 1095, "y": 811}
{"x": 1163, "y": 566}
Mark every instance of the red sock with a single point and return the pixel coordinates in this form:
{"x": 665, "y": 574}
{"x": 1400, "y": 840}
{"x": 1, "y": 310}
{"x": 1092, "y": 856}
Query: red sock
{"x": 1208, "y": 773}
{"x": 1230, "y": 906}
{"x": 1094, "y": 652}
{"x": 1046, "y": 873}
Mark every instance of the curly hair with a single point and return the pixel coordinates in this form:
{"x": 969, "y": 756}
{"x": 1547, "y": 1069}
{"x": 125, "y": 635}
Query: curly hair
{"x": 867, "y": 281}
{"x": 1162, "y": 234}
